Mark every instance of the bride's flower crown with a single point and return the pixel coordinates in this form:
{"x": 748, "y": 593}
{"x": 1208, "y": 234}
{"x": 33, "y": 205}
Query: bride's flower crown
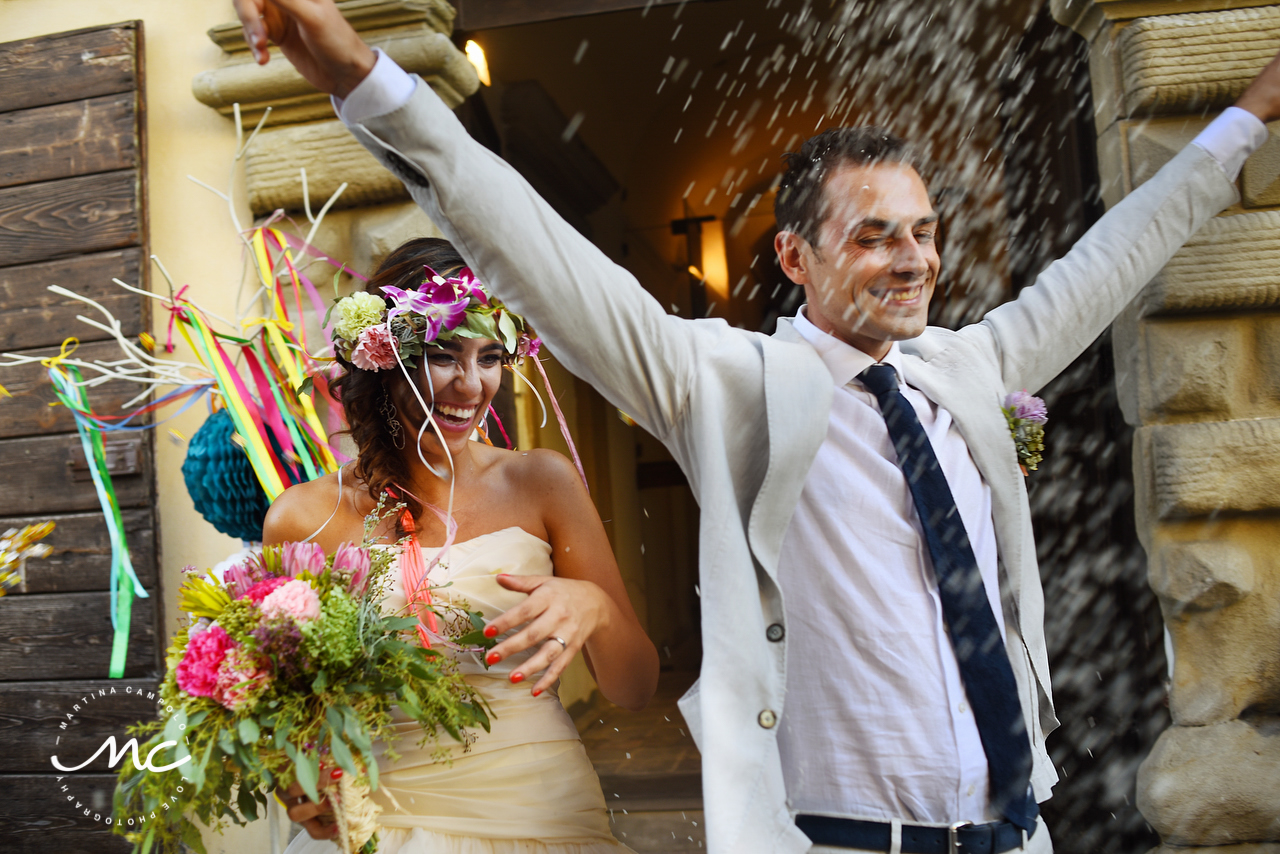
{"x": 369, "y": 331}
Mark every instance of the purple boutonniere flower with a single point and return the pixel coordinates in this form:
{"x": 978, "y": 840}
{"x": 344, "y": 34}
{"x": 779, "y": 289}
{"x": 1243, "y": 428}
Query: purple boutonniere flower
{"x": 1027, "y": 416}
{"x": 1027, "y": 407}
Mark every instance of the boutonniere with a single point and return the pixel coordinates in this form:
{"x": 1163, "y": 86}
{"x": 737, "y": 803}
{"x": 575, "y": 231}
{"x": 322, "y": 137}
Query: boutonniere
{"x": 1026, "y": 415}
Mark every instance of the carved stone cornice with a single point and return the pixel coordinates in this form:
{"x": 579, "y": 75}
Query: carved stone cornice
{"x": 415, "y": 33}
{"x": 1086, "y": 17}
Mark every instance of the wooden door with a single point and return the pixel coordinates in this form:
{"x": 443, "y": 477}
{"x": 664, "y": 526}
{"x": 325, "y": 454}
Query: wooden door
{"x": 72, "y": 213}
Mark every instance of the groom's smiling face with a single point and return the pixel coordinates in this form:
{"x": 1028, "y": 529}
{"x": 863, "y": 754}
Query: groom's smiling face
{"x": 869, "y": 278}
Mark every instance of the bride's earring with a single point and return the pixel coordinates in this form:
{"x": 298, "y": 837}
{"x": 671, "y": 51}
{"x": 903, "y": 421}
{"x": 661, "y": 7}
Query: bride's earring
{"x": 393, "y": 421}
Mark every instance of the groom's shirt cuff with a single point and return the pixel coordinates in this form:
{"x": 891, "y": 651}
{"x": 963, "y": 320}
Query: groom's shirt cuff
{"x": 1231, "y": 138}
{"x": 385, "y": 89}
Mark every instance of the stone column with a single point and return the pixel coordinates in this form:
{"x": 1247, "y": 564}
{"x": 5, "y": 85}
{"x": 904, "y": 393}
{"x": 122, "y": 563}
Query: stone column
{"x": 1198, "y": 375}
{"x": 301, "y": 130}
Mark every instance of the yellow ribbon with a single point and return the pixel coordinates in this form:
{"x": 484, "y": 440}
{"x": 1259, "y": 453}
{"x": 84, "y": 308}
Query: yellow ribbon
{"x": 69, "y": 346}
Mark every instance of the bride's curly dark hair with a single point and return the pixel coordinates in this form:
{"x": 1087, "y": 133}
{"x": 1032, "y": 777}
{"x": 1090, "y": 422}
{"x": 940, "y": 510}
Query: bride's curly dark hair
{"x": 365, "y": 394}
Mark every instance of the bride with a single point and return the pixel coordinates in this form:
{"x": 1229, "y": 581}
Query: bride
{"x": 529, "y": 552}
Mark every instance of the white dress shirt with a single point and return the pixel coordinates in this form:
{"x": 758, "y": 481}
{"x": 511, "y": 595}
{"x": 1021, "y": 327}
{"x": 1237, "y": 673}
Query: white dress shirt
{"x": 876, "y": 721}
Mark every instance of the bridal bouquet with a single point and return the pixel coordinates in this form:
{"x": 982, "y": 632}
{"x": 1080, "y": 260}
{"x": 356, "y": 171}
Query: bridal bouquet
{"x": 288, "y": 672}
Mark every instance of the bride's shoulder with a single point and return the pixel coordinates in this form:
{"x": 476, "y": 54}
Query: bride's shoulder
{"x": 536, "y": 470}
{"x": 293, "y": 514}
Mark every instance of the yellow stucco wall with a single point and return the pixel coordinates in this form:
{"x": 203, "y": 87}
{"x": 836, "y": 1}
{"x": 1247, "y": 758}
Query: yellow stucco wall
{"x": 190, "y": 230}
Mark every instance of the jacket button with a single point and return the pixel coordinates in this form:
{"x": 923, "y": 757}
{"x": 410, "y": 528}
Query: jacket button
{"x": 767, "y": 719}
{"x": 775, "y": 632}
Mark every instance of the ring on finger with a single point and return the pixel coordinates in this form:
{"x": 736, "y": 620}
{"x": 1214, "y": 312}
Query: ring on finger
{"x": 564, "y": 647}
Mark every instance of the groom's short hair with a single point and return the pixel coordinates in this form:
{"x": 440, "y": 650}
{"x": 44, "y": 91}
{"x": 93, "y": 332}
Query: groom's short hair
{"x": 800, "y": 206}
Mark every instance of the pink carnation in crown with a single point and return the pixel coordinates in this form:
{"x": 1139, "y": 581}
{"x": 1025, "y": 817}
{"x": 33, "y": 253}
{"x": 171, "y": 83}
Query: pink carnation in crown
{"x": 295, "y": 599}
{"x": 375, "y": 350}
{"x": 197, "y": 673}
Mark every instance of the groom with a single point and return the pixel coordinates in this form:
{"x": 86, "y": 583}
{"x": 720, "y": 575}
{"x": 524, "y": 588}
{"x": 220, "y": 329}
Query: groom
{"x": 874, "y": 674}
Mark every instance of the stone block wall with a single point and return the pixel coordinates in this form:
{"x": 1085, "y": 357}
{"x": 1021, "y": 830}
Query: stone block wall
{"x": 1198, "y": 375}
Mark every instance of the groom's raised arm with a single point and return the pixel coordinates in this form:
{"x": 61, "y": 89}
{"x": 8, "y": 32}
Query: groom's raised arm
{"x": 598, "y": 320}
{"x": 1074, "y": 300}
{"x": 595, "y": 316}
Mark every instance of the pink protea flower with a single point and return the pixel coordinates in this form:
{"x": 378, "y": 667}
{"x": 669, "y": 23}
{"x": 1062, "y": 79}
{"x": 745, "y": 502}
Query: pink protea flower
{"x": 239, "y": 678}
{"x": 295, "y": 599}
{"x": 298, "y": 558}
{"x": 197, "y": 673}
{"x": 245, "y": 573}
{"x": 262, "y": 589}
{"x": 352, "y": 561}
{"x": 375, "y": 350}
{"x": 1027, "y": 407}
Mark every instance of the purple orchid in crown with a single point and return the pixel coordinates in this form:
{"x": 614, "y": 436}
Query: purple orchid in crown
{"x": 437, "y": 301}
{"x": 470, "y": 285}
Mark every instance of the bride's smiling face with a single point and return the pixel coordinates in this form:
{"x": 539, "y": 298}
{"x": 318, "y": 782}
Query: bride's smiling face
{"x": 464, "y": 376}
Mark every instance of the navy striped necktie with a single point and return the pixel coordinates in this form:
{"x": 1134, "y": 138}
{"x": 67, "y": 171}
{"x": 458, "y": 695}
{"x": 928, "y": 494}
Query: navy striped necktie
{"x": 975, "y": 636}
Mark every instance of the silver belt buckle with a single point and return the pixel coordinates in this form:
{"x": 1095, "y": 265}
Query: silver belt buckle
{"x": 953, "y": 835}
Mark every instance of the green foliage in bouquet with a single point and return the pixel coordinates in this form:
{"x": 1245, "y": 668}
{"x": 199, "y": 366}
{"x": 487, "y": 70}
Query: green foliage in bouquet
{"x": 288, "y": 672}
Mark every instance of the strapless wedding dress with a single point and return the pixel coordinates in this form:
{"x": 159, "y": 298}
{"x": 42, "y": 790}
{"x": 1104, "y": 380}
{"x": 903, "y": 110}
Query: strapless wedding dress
{"x": 525, "y": 787}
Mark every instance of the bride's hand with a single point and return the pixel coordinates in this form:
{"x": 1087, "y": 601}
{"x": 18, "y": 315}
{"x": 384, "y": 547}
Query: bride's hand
{"x": 318, "y": 818}
{"x": 564, "y": 608}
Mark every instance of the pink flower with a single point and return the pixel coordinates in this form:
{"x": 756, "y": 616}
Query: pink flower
{"x": 298, "y": 558}
{"x": 1027, "y": 407}
{"x": 197, "y": 673}
{"x": 528, "y": 346}
{"x": 238, "y": 679}
{"x": 375, "y": 350}
{"x": 352, "y": 561}
{"x": 295, "y": 599}
{"x": 262, "y": 589}
{"x": 470, "y": 285}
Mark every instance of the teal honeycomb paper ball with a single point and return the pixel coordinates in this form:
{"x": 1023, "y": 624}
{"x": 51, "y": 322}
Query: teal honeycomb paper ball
{"x": 221, "y": 481}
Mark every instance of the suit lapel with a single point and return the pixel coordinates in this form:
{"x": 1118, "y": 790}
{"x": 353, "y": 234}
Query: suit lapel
{"x": 798, "y": 393}
{"x": 975, "y": 408}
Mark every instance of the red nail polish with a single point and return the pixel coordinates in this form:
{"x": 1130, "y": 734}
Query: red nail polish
{"x": 537, "y": 691}
{"x": 517, "y": 677}
{"x": 490, "y": 632}
{"x": 493, "y": 658}
{"x": 336, "y": 774}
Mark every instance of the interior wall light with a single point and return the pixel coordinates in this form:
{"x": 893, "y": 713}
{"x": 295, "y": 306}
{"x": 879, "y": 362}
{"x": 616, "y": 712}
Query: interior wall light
{"x": 475, "y": 54}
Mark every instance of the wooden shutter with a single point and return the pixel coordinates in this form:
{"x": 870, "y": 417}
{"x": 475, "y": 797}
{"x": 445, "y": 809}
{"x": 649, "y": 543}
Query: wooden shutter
{"x": 73, "y": 213}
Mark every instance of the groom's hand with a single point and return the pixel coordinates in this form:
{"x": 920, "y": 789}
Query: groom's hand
{"x": 1262, "y": 98}
{"x": 313, "y": 35}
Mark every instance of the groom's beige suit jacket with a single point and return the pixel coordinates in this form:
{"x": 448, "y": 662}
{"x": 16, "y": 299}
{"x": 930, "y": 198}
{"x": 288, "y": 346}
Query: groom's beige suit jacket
{"x": 745, "y": 413}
